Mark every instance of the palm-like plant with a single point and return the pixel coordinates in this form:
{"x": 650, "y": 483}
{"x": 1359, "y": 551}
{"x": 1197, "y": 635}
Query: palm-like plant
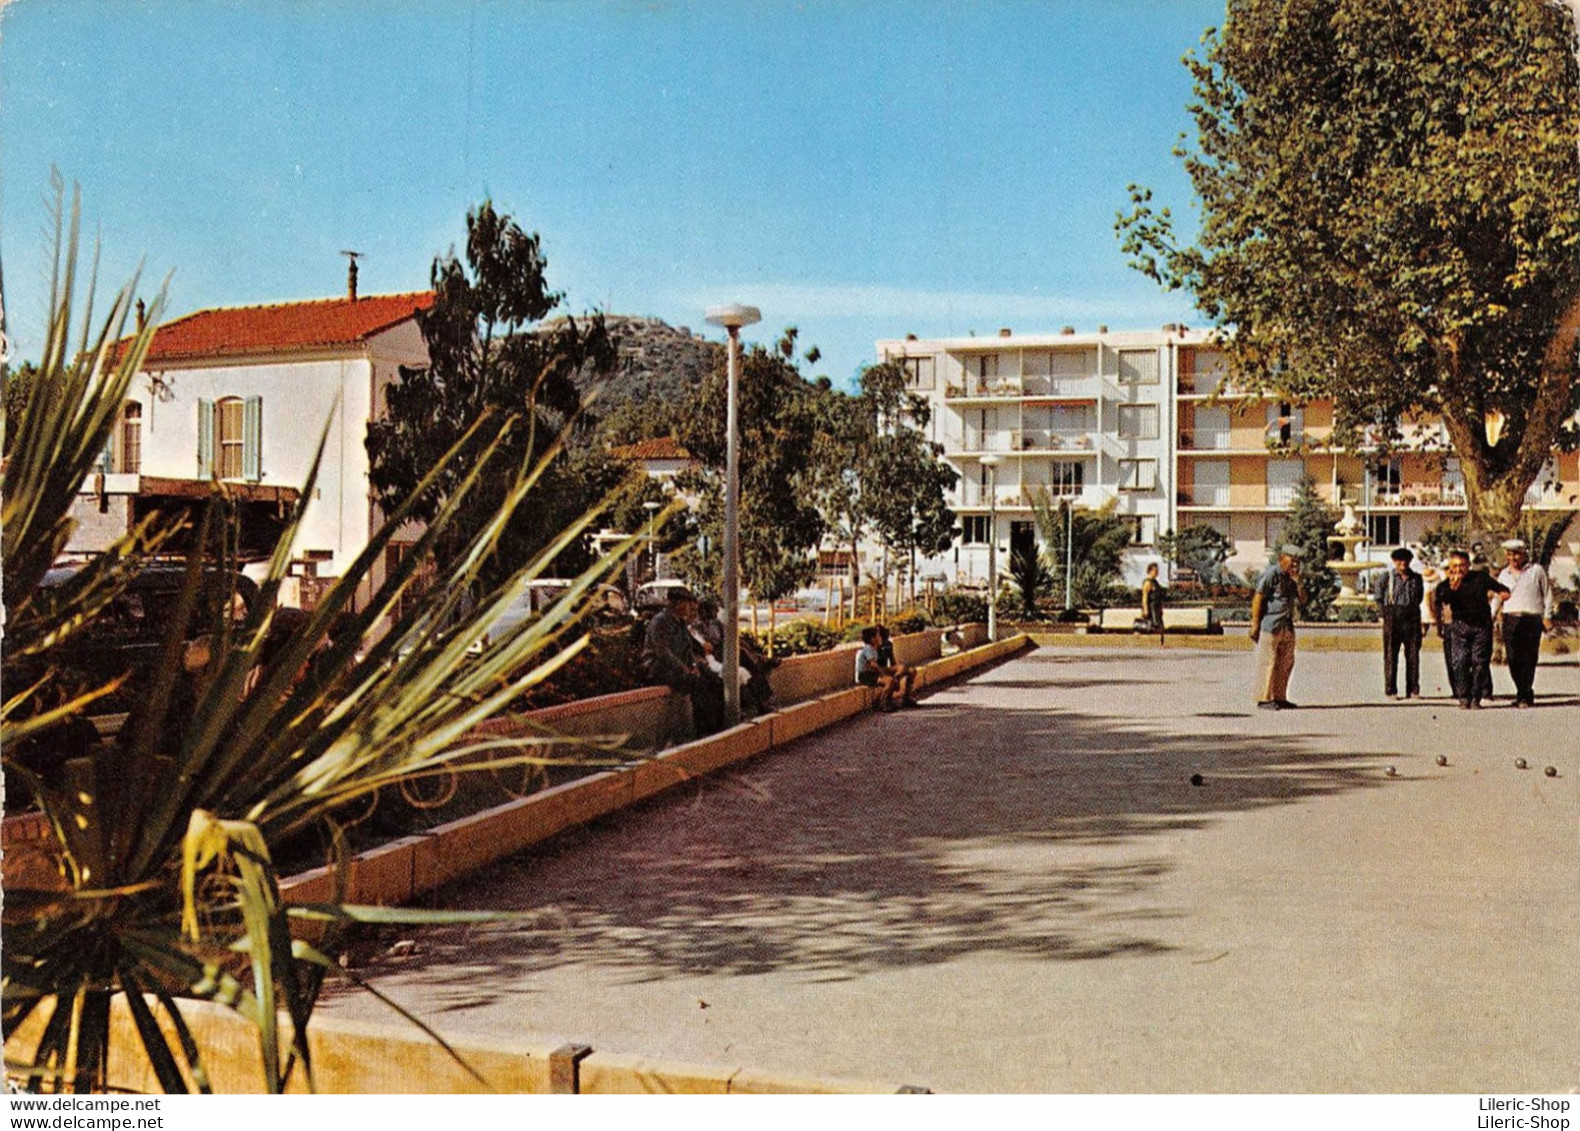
{"x": 166, "y": 830}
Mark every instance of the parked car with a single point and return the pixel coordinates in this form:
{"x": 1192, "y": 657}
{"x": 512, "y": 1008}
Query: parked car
{"x": 653, "y": 596}
{"x": 609, "y": 606}
{"x": 125, "y": 638}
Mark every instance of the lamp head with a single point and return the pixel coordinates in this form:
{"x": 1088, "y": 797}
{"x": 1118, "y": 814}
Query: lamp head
{"x": 990, "y": 460}
{"x": 733, "y": 316}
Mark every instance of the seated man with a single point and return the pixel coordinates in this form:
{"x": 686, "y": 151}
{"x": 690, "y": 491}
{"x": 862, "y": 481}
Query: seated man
{"x": 675, "y": 658}
{"x": 870, "y": 672}
{"x": 904, "y": 675}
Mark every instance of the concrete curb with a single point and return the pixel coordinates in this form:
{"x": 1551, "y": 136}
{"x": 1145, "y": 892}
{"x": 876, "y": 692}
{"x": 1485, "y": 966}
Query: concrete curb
{"x": 359, "y": 1058}
{"x": 403, "y": 869}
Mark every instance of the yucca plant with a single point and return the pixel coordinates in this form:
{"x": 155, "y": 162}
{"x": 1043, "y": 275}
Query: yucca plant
{"x": 167, "y": 831}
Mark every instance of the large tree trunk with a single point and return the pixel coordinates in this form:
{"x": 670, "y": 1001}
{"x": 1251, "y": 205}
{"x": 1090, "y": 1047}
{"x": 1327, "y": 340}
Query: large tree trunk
{"x": 1498, "y": 475}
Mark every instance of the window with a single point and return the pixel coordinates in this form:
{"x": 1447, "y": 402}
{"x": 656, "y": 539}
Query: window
{"x": 1138, "y": 474}
{"x": 974, "y": 529}
{"x": 1138, "y": 422}
{"x": 1383, "y": 529}
{"x": 1066, "y": 477}
{"x": 919, "y": 372}
{"x": 1286, "y": 423}
{"x": 1388, "y": 478}
{"x": 1143, "y": 529}
{"x": 1138, "y": 367}
{"x": 131, "y": 438}
{"x": 230, "y": 438}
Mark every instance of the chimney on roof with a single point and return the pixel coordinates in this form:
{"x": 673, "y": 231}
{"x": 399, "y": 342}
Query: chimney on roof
{"x": 1004, "y": 332}
{"x": 1066, "y": 329}
{"x": 351, "y": 273}
{"x": 142, "y": 316}
{"x": 1102, "y": 328}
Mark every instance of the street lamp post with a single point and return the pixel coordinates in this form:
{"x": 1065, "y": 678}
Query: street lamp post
{"x": 651, "y": 508}
{"x": 1069, "y": 555}
{"x": 991, "y": 462}
{"x": 732, "y": 318}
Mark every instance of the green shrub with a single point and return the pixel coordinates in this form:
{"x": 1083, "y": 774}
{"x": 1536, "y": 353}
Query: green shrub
{"x": 959, "y": 606}
{"x": 800, "y": 637}
{"x": 911, "y": 620}
{"x": 1356, "y": 614}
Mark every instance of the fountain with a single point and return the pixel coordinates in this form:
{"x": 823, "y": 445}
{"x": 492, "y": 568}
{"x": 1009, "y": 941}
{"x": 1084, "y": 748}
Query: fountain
{"x": 1348, "y": 534}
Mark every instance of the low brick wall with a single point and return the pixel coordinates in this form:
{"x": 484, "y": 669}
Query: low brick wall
{"x": 405, "y": 868}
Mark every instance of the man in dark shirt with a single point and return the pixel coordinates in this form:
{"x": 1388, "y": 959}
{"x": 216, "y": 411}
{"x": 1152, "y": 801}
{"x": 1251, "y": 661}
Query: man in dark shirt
{"x": 1467, "y": 596}
{"x": 1398, "y": 594}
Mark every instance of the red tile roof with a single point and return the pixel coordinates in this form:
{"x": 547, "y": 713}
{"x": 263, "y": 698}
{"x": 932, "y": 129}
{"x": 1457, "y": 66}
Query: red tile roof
{"x": 282, "y": 327}
{"x": 664, "y": 447}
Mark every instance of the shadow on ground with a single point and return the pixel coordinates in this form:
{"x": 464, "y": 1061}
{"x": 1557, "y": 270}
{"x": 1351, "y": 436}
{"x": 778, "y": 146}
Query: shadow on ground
{"x": 891, "y": 841}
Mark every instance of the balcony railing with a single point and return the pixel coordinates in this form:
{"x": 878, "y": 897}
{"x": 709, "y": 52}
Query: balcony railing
{"x": 1211, "y": 496}
{"x": 1024, "y": 440}
{"x": 1203, "y": 440}
{"x": 1450, "y": 494}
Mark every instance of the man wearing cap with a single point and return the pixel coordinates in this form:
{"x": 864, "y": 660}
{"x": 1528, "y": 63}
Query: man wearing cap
{"x": 1525, "y": 612}
{"x": 675, "y": 658}
{"x": 1278, "y": 592}
{"x": 1398, "y": 594}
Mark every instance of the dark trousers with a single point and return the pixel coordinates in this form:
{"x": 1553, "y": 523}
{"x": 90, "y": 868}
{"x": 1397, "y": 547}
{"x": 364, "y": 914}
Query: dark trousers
{"x": 1470, "y": 660}
{"x": 1522, "y": 643}
{"x": 1402, "y": 629}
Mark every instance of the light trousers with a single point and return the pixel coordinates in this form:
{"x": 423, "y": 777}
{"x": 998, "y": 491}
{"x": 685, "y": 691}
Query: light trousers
{"x": 1275, "y": 659}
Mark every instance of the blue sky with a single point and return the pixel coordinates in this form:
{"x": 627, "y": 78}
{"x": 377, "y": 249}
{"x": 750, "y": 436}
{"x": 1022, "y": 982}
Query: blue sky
{"x": 860, "y": 170}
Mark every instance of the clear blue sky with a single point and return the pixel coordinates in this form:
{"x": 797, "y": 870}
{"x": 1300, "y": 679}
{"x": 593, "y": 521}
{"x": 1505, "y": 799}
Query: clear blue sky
{"x": 858, "y": 169}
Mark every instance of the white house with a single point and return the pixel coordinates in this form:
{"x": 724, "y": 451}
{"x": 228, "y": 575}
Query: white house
{"x": 243, "y": 395}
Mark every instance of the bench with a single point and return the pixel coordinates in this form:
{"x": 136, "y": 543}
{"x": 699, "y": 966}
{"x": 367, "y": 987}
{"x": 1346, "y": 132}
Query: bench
{"x": 1174, "y": 620}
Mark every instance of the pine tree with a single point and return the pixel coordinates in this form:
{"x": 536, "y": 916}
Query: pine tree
{"x": 1308, "y": 525}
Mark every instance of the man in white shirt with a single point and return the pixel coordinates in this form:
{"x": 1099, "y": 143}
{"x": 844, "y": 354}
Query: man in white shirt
{"x": 1525, "y": 613}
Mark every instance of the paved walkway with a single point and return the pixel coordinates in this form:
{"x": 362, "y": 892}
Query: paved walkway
{"x": 1018, "y": 888}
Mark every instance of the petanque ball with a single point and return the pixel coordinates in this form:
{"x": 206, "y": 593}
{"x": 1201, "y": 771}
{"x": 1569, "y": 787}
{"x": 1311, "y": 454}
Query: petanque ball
{"x": 1520, "y": 763}
{"x": 1196, "y": 779}
{"x": 1442, "y": 759}
{"x": 1391, "y": 772}
{"x": 1551, "y": 771}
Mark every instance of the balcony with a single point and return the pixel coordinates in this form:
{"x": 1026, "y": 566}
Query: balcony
{"x": 974, "y": 495}
{"x": 1023, "y": 440}
{"x": 1205, "y": 440}
{"x": 1447, "y": 494}
{"x": 980, "y": 388}
{"x": 1011, "y": 388}
{"x": 1216, "y": 495}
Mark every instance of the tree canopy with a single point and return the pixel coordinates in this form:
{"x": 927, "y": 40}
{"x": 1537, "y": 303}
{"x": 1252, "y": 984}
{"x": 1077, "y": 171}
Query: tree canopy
{"x": 780, "y": 523}
{"x": 1390, "y": 198}
{"x": 483, "y": 360}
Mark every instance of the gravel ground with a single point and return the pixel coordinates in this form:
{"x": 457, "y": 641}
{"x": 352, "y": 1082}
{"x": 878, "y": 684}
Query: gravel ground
{"x": 1019, "y": 889}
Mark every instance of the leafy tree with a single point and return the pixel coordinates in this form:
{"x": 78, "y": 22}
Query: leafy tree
{"x": 879, "y": 473}
{"x": 1307, "y": 525}
{"x": 779, "y": 521}
{"x": 481, "y": 360}
{"x": 1097, "y": 539}
{"x": 1390, "y": 199}
{"x": 18, "y": 386}
{"x": 1200, "y": 547}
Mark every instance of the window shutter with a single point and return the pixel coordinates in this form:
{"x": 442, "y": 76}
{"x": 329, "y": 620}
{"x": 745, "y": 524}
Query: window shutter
{"x": 252, "y": 439}
{"x": 205, "y": 447}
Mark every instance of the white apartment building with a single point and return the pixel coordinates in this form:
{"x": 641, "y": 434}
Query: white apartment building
{"x": 1090, "y": 417}
{"x": 1143, "y": 418}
